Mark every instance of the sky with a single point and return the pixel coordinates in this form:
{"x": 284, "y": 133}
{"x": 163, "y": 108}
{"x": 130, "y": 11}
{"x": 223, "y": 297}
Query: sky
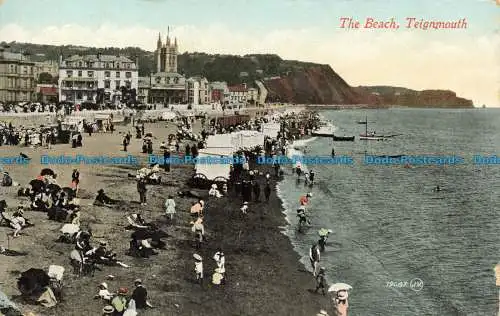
{"x": 466, "y": 61}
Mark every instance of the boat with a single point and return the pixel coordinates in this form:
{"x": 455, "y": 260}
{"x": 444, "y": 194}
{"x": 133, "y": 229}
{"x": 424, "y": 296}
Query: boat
{"x": 343, "y": 138}
{"x": 323, "y": 131}
{"x": 372, "y": 138}
{"x": 372, "y": 135}
{"x": 369, "y": 136}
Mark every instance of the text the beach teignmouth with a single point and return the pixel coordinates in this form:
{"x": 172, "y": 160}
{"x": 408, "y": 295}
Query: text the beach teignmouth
{"x": 412, "y": 23}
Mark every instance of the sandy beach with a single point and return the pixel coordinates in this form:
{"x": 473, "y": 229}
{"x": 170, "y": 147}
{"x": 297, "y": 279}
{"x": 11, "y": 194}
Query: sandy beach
{"x": 263, "y": 274}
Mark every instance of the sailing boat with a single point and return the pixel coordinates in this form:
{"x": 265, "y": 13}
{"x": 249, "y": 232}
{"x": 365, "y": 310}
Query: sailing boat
{"x": 366, "y": 135}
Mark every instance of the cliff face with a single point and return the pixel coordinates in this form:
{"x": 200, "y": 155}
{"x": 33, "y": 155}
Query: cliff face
{"x": 412, "y": 98}
{"x": 316, "y": 85}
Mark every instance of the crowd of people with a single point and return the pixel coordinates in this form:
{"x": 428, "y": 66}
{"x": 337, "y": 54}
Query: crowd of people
{"x": 61, "y": 204}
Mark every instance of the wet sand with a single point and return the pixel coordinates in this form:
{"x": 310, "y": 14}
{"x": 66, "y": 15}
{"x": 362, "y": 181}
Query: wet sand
{"x": 263, "y": 274}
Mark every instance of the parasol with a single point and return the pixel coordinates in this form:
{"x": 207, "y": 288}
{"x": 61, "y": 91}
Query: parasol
{"x": 197, "y": 257}
{"x": 70, "y": 229}
{"x": 339, "y": 287}
{"x": 324, "y": 232}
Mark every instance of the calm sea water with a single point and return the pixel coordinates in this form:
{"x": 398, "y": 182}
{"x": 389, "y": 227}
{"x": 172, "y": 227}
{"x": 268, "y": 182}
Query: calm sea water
{"x": 389, "y": 225}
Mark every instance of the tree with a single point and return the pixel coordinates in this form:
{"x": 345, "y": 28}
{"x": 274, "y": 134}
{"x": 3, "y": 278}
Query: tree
{"x": 45, "y": 77}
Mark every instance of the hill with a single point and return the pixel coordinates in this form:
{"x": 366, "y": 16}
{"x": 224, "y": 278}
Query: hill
{"x": 233, "y": 69}
{"x": 287, "y": 80}
{"x": 412, "y": 98}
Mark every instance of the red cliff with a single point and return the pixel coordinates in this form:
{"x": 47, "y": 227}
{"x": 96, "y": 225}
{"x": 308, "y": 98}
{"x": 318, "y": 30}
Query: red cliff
{"x": 316, "y": 85}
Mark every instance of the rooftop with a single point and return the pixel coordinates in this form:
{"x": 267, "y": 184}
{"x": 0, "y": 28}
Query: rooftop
{"x": 14, "y": 56}
{"x": 101, "y": 57}
{"x": 238, "y": 88}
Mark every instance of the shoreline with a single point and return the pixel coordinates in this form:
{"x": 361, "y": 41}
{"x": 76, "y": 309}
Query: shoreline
{"x": 264, "y": 273}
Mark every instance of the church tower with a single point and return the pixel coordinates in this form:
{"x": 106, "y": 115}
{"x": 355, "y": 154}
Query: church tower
{"x": 158, "y": 53}
{"x": 166, "y": 54}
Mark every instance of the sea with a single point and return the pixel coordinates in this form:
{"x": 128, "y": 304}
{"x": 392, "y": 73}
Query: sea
{"x": 405, "y": 249}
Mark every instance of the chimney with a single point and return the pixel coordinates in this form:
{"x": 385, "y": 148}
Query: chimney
{"x": 99, "y": 56}
{"x": 244, "y": 85}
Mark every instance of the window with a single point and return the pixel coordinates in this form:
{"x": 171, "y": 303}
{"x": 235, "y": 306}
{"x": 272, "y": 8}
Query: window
{"x": 107, "y": 74}
{"x": 31, "y": 69}
{"x": 128, "y": 65}
{"x": 128, "y": 74}
{"x": 128, "y": 84}
{"x": 15, "y": 69}
{"x": 91, "y": 65}
{"x": 69, "y": 73}
{"x": 79, "y": 73}
{"x": 79, "y": 96}
{"x": 107, "y": 84}
{"x": 117, "y": 84}
{"x": 117, "y": 74}
{"x": 90, "y": 74}
{"x": 11, "y": 68}
{"x": 79, "y": 64}
{"x": 107, "y": 65}
{"x": 158, "y": 79}
{"x": 25, "y": 70}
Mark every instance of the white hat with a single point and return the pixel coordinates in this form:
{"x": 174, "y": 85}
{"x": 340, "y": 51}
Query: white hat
{"x": 322, "y": 313}
{"x": 214, "y": 186}
{"x": 245, "y": 203}
{"x": 146, "y": 243}
{"x": 104, "y": 285}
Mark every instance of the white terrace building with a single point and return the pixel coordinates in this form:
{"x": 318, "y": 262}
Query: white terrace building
{"x": 80, "y": 77}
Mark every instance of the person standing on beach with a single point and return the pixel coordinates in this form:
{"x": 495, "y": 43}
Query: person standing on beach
{"x": 267, "y": 192}
{"x": 75, "y": 180}
{"x": 170, "y": 207}
{"x": 256, "y": 191}
{"x": 314, "y": 257}
{"x": 341, "y": 303}
{"x": 141, "y": 188}
{"x": 198, "y": 269}
{"x": 166, "y": 160}
{"x": 125, "y": 143}
{"x": 321, "y": 281}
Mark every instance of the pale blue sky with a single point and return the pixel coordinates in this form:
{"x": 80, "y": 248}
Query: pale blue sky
{"x": 241, "y": 14}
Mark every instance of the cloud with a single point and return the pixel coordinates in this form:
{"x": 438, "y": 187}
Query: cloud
{"x": 419, "y": 60}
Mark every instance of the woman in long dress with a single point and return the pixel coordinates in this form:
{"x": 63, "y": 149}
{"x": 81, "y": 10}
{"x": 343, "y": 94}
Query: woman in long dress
{"x": 170, "y": 207}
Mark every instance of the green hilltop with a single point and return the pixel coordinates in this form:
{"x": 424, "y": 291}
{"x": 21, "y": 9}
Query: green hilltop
{"x": 215, "y": 67}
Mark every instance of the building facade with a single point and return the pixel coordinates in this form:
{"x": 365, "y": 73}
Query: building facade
{"x": 50, "y": 66}
{"x": 81, "y": 78}
{"x": 143, "y": 89}
{"x": 47, "y": 93}
{"x": 197, "y": 91}
{"x": 238, "y": 94}
{"x": 167, "y": 88}
{"x": 219, "y": 92}
{"x": 166, "y": 55}
{"x": 253, "y": 96}
{"x": 17, "y": 78}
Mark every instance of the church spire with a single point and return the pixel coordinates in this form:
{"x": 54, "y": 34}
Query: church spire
{"x": 175, "y": 42}
{"x": 158, "y": 43}
{"x": 168, "y": 35}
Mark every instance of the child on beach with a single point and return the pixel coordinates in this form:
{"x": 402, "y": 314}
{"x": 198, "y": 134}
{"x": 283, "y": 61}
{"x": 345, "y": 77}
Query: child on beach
{"x": 314, "y": 257}
{"x": 170, "y": 207}
{"x": 244, "y": 208}
{"x": 321, "y": 281}
{"x": 198, "y": 268}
